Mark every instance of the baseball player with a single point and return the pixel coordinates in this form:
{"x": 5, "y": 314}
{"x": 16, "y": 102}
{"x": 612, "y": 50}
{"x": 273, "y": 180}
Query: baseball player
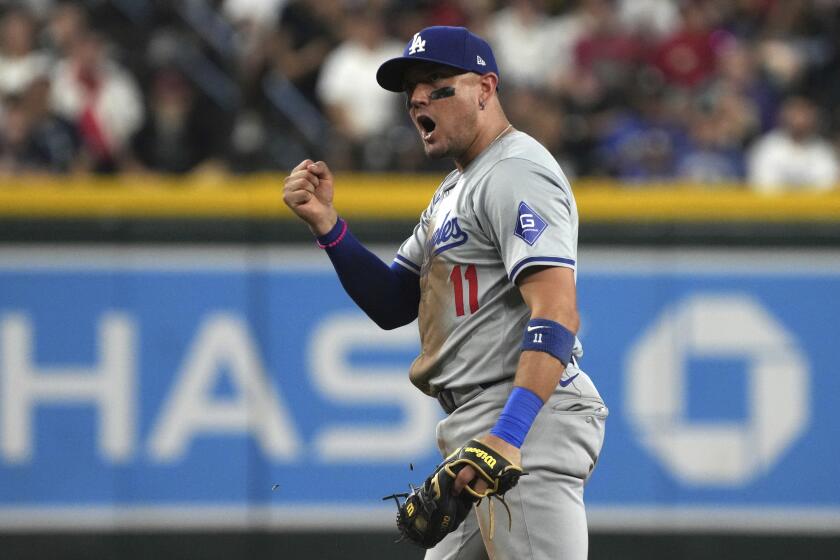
{"x": 490, "y": 273}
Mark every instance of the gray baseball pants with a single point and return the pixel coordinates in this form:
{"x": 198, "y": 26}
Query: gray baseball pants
{"x": 548, "y": 519}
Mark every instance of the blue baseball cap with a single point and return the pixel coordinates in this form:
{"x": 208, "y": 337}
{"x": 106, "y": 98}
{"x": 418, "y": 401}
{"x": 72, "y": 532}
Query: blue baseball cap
{"x": 452, "y": 46}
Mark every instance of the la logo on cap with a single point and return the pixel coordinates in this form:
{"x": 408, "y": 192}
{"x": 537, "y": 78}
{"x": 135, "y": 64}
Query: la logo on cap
{"x": 417, "y": 45}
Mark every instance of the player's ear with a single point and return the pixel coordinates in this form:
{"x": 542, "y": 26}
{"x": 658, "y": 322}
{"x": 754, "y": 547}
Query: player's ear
{"x": 488, "y": 84}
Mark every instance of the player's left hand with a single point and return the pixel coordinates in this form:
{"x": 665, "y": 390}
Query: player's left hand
{"x": 308, "y": 192}
{"x": 431, "y": 512}
{"x": 468, "y": 475}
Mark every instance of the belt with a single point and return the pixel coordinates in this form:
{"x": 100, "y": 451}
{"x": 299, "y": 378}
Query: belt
{"x": 451, "y": 399}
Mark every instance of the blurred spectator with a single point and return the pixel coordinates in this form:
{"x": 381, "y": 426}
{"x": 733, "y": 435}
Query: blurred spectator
{"x": 527, "y": 43}
{"x": 600, "y": 61}
{"x": 745, "y": 19}
{"x": 254, "y": 12}
{"x": 540, "y": 115}
{"x": 175, "y": 138}
{"x": 67, "y": 23}
{"x": 20, "y": 63}
{"x": 34, "y": 140}
{"x": 645, "y": 143}
{"x": 793, "y": 157}
{"x": 605, "y": 54}
{"x": 358, "y": 108}
{"x": 102, "y": 99}
{"x": 248, "y": 41}
{"x": 38, "y": 8}
{"x": 634, "y": 89}
{"x": 55, "y": 139}
{"x": 475, "y": 14}
{"x": 405, "y": 19}
{"x": 688, "y": 57}
{"x": 782, "y": 61}
{"x": 15, "y": 153}
{"x": 649, "y": 18}
{"x": 713, "y": 154}
{"x": 824, "y": 83}
{"x": 441, "y": 12}
{"x": 307, "y": 34}
{"x": 284, "y": 121}
{"x": 739, "y": 74}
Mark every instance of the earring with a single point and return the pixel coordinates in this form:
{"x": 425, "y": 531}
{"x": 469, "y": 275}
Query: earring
{"x": 481, "y": 104}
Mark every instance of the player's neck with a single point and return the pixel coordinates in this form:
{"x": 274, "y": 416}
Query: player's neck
{"x": 487, "y": 137}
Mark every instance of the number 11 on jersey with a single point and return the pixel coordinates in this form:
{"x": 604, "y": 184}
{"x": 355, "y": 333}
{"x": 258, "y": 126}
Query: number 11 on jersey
{"x": 458, "y": 285}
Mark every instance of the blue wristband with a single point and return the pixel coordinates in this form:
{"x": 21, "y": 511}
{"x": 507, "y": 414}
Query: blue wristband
{"x": 516, "y": 418}
{"x": 544, "y": 335}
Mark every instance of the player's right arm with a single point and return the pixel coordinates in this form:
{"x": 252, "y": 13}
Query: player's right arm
{"x": 389, "y": 295}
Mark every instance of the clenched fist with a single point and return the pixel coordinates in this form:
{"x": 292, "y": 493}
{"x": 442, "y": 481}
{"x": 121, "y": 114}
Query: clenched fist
{"x": 308, "y": 191}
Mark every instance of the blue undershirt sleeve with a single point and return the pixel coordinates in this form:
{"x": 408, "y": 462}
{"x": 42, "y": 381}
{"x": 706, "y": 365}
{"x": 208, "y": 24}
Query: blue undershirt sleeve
{"x": 388, "y": 295}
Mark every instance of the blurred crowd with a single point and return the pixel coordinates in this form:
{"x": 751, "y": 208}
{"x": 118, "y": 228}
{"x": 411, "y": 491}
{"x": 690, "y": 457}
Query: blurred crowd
{"x": 709, "y": 91}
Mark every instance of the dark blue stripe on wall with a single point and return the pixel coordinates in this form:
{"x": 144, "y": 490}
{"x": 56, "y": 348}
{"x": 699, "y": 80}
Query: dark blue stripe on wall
{"x": 527, "y": 260}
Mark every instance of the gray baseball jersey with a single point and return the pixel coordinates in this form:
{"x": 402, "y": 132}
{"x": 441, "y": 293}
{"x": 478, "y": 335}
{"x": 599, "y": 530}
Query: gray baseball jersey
{"x": 511, "y": 208}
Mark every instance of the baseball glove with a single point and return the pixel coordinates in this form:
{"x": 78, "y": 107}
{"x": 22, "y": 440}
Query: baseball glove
{"x": 431, "y": 512}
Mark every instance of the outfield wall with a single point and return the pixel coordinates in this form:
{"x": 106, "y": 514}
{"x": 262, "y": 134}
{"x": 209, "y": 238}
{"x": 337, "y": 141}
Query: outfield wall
{"x": 172, "y": 349}
{"x": 237, "y": 388}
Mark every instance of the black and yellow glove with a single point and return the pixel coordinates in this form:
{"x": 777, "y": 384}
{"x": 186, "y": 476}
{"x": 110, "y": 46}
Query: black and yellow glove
{"x": 431, "y": 512}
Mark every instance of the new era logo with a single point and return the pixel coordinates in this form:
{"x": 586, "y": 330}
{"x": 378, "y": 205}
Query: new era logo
{"x": 417, "y": 45}
{"x": 480, "y": 61}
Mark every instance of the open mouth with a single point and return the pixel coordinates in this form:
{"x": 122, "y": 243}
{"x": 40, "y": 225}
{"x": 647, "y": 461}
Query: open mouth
{"x": 427, "y": 124}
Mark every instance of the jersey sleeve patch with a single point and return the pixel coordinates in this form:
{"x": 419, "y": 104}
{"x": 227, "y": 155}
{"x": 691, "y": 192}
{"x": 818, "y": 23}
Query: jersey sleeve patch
{"x": 529, "y": 224}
